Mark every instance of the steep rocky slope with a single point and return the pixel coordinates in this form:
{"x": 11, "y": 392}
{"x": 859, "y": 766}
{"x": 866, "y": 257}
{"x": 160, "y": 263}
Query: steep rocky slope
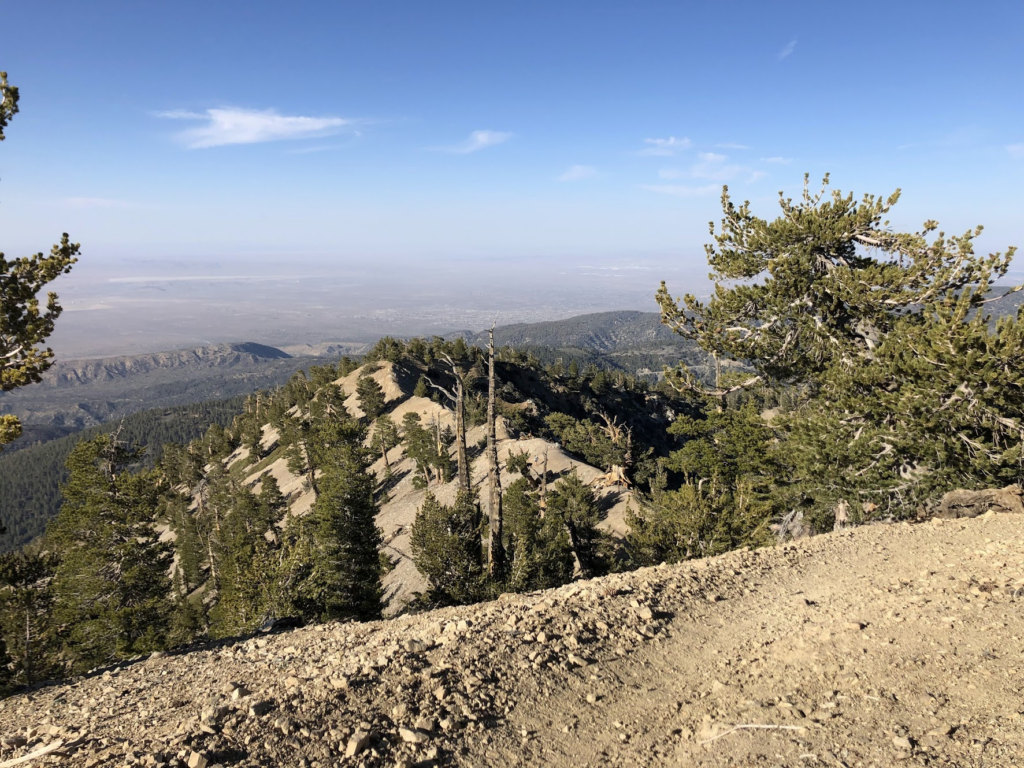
{"x": 404, "y": 498}
{"x": 863, "y": 648}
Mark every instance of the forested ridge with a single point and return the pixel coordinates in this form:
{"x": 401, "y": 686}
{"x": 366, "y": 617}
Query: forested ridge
{"x": 30, "y": 478}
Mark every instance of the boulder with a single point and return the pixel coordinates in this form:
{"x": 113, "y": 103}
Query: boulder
{"x": 961, "y": 503}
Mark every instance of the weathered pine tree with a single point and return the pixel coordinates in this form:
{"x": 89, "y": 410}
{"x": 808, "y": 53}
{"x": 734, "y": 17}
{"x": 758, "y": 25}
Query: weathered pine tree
{"x": 904, "y": 388}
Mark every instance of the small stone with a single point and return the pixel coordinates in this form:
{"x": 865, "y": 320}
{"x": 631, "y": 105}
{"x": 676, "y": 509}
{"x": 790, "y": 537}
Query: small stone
{"x": 901, "y": 742}
{"x": 577, "y": 661}
{"x": 941, "y": 730}
{"x": 339, "y": 683}
{"x": 591, "y": 698}
{"x": 462, "y": 626}
{"x": 260, "y": 708}
{"x": 360, "y": 740}
{"x": 718, "y": 686}
{"x": 645, "y": 613}
{"x": 856, "y": 626}
{"x": 440, "y": 693}
{"x": 409, "y": 736}
{"x": 425, "y": 724}
{"x": 292, "y": 682}
{"x": 239, "y": 693}
{"x": 197, "y": 760}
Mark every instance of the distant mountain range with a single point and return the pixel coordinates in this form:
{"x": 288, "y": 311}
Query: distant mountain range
{"x": 74, "y": 373}
{"x": 79, "y": 393}
{"x": 600, "y": 332}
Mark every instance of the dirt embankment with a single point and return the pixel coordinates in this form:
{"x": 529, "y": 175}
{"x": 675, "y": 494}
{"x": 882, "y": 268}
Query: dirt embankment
{"x": 873, "y": 647}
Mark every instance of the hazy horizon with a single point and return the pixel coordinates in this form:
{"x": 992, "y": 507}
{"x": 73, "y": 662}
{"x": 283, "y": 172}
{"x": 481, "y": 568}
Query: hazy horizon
{"x": 406, "y": 168}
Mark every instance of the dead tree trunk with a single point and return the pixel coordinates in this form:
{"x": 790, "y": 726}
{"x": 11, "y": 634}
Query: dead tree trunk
{"x": 457, "y": 394}
{"x": 495, "y": 548}
{"x": 544, "y": 485}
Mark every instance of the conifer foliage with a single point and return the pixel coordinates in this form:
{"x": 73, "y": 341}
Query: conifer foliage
{"x": 112, "y": 582}
{"x": 23, "y": 322}
{"x": 898, "y": 385}
{"x": 339, "y": 576}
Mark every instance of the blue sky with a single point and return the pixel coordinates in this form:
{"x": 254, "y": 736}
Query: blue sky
{"x": 451, "y": 130}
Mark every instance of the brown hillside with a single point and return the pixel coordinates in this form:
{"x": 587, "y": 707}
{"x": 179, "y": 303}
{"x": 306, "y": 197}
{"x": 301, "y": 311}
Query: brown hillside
{"x": 398, "y": 514}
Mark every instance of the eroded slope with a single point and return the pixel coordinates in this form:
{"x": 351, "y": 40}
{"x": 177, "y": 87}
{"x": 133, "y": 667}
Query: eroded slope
{"x": 867, "y": 647}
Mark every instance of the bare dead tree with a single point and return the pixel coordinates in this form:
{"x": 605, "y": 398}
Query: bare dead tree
{"x": 457, "y": 394}
{"x": 495, "y": 549}
{"x": 544, "y": 485}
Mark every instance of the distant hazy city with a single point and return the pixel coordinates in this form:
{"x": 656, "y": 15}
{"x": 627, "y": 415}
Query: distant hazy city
{"x": 121, "y": 309}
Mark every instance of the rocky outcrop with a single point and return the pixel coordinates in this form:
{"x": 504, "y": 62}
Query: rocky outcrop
{"x": 961, "y": 503}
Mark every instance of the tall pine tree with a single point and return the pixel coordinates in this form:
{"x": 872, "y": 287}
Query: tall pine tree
{"x": 112, "y": 585}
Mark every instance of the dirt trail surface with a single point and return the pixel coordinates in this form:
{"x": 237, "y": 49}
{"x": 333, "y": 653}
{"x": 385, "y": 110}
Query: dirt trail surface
{"x": 874, "y": 647}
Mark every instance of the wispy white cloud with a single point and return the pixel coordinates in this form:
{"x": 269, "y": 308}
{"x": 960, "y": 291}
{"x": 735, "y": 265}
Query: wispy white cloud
{"x": 682, "y": 190}
{"x": 710, "y": 165}
{"x": 714, "y": 166}
{"x": 665, "y": 147}
{"x": 788, "y": 50}
{"x": 579, "y": 173}
{"x": 477, "y": 140}
{"x": 729, "y": 145}
{"x": 252, "y": 126}
{"x": 756, "y": 176}
{"x": 1016, "y": 150}
{"x": 779, "y": 160}
{"x": 97, "y": 202}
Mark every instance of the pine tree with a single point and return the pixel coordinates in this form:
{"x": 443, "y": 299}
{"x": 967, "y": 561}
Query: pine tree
{"x": 27, "y": 635}
{"x": 23, "y": 323}
{"x": 573, "y": 504}
{"x": 111, "y": 587}
{"x": 447, "y": 549}
{"x": 824, "y": 282}
{"x": 331, "y": 566}
{"x": 902, "y": 387}
{"x": 540, "y": 554}
{"x": 385, "y": 437}
{"x": 427, "y": 447}
{"x": 371, "y": 397}
{"x": 242, "y": 531}
{"x": 940, "y": 406}
{"x": 188, "y": 573}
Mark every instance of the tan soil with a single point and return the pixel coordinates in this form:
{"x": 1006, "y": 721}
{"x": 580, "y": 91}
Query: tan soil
{"x": 874, "y": 647}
